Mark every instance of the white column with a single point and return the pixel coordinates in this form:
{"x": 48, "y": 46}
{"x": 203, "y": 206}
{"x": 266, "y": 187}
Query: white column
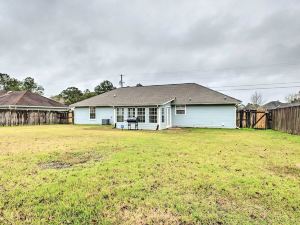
{"x": 171, "y": 125}
{"x": 115, "y": 117}
{"x": 158, "y": 117}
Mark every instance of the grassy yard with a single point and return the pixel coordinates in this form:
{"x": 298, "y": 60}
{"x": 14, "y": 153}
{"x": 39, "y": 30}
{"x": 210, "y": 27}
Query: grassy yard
{"x": 97, "y": 175}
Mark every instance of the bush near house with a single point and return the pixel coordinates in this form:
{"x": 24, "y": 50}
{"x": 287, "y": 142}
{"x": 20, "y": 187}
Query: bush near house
{"x": 64, "y": 174}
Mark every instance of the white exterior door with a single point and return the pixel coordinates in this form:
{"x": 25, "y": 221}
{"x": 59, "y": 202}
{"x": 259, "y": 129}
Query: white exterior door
{"x": 169, "y": 119}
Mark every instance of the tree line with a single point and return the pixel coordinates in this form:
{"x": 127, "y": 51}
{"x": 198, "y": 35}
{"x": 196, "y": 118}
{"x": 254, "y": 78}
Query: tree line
{"x": 74, "y": 94}
{"x": 8, "y": 83}
{"x": 67, "y": 96}
{"x": 257, "y": 98}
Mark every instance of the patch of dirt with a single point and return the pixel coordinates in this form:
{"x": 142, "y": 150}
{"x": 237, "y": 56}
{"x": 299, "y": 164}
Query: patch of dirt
{"x": 175, "y": 128}
{"x": 55, "y": 165}
{"x": 70, "y": 159}
{"x": 81, "y": 157}
{"x": 290, "y": 171}
{"x": 117, "y": 149}
{"x": 144, "y": 216}
{"x": 224, "y": 203}
{"x": 100, "y": 128}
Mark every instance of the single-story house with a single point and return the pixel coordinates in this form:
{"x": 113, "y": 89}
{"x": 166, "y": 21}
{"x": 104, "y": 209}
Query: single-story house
{"x": 273, "y": 105}
{"x": 25, "y": 107}
{"x": 160, "y": 107}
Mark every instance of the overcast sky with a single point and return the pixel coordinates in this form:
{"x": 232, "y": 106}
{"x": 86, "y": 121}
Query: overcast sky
{"x": 64, "y": 43}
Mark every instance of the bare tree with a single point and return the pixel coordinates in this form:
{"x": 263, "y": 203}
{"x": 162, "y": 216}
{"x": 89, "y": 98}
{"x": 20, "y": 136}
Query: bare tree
{"x": 257, "y": 98}
{"x": 292, "y": 98}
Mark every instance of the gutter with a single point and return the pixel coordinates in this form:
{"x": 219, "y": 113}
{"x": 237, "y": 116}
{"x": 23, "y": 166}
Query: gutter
{"x": 33, "y": 107}
{"x": 137, "y": 106}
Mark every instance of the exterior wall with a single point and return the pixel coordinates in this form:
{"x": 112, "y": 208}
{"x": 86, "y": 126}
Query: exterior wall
{"x": 218, "y": 116}
{"x": 215, "y": 116}
{"x": 82, "y": 115}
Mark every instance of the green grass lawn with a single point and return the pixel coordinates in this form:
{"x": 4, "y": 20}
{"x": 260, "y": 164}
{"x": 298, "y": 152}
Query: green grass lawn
{"x": 97, "y": 175}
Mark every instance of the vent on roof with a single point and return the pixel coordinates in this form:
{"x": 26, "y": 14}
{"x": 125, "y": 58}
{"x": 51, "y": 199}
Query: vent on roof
{"x": 115, "y": 95}
{"x": 225, "y": 98}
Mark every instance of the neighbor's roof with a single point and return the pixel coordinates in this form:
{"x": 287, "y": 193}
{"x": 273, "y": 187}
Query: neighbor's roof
{"x": 188, "y": 93}
{"x": 251, "y": 106}
{"x": 273, "y": 105}
{"x": 26, "y": 98}
{"x": 286, "y": 105}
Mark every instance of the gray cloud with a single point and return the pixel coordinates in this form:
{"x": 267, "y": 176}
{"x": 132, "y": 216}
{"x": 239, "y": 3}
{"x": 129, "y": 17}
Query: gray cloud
{"x": 74, "y": 42}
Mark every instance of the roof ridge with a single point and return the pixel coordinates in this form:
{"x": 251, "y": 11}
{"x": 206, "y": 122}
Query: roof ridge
{"x": 20, "y": 97}
{"x": 151, "y": 85}
{"x": 49, "y": 99}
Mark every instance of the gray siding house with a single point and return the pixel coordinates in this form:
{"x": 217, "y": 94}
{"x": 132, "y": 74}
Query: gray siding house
{"x": 160, "y": 107}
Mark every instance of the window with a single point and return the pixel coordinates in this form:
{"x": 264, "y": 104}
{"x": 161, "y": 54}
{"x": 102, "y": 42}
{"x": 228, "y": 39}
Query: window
{"x": 162, "y": 115}
{"x": 92, "y": 113}
{"x": 152, "y": 115}
{"x": 180, "y": 110}
{"x": 131, "y": 112}
{"x": 141, "y": 115}
{"x": 120, "y": 114}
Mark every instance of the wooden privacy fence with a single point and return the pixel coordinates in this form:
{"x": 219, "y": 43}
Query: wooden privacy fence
{"x": 252, "y": 119}
{"x": 286, "y": 119}
{"x": 25, "y": 117}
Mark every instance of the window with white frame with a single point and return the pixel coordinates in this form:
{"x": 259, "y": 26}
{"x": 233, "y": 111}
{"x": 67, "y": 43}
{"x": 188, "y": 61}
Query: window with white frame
{"x": 92, "y": 113}
{"x": 162, "y": 115}
{"x": 120, "y": 114}
{"x": 152, "y": 115}
{"x": 131, "y": 112}
{"x": 180, "y": 109}
{"x": 141, "y": 115}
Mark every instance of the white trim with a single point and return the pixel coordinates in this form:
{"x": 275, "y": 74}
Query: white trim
{"x": 134, "y": 108}
{"x": 158, "y": 118}
{"x": 168, "y": 101}
{"x": 144, "y": 113}
{"x": 176, "y": 109}
{"x": 90, "y": 113}
{"x": 27, "y": 106}
{"x": 163, "y": 109}
{"x": 114, "y": 112}
{"x": 157, "y": 113}
{"x": 123, "y": 114}
{"x": 168, "y": 116}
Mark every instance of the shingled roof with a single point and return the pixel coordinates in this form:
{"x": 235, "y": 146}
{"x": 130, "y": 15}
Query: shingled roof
{"x": 273, "y": 105}
{"x": 188, "y": 94}
{"x": 27, "y": 98}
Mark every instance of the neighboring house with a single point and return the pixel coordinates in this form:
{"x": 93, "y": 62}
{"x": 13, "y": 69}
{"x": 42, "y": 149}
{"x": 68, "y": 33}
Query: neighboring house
{"x": 273, "y": 105}
{"x": 160, "y": 107}
{"x": 24, "y": 107}
{"x": 250, "y": 107}
{"x": 285, "y": 105}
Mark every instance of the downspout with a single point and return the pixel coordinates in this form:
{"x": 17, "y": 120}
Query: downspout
{"x": 115, "y": 120}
